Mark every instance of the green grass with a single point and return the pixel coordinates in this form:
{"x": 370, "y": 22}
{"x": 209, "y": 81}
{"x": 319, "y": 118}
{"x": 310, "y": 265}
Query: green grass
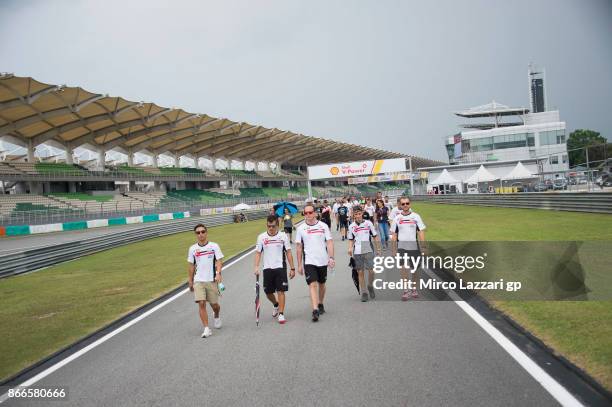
{"x": 45, "y": 311}
{"x": 465, "y": 222}
{"x": 581, "y": 331}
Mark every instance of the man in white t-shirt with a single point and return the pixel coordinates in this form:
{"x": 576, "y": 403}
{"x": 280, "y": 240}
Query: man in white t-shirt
{"x": 315, "y": 252}
{"x": 275, "y": 247}
{"x": 408, "y": 237}
{"x": 204, "y": 270}
{"x": 360, "y": 234}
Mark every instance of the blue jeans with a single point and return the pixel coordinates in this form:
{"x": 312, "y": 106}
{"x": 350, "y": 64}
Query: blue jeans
{"x": 383, "y": 227}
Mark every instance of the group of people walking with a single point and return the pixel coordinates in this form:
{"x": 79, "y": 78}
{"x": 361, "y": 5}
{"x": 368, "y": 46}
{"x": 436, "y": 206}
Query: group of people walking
{"x": 369, "y": 224}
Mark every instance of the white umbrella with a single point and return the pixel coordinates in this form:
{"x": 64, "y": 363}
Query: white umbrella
{"x": 241, "y": 207}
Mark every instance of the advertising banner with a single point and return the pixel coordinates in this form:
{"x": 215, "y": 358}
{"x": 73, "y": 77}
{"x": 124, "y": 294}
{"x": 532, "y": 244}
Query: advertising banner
{"x": 379, "y": 178}
{"x": 356, "y": 168}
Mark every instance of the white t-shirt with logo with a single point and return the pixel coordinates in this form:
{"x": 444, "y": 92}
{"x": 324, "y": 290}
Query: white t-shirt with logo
{"x": 406, "y": 227}
{"x": 370, "y": 209}
{"x": 335, "y": 207}
{"x": 273, "y": 248}
{"x": 314, "y": 242}
{"x": 204, "y": 258}
{"x": 360, "y": 234}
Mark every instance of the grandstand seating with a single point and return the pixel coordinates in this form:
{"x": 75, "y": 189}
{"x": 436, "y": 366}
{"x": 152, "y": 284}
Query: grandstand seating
{"x": 29, "y": 202}
{"x": 8, "y": 169}
{"x": 263, "y": 192}
{"x": 47, "y": 168}
{"x": 266, "y": 174}
{"x": 151, "y": 199}
{"x": 238, "y": 173}
{"x": 127, "y": 170}
{"x": 252, "y": 192}
{"x": 100, "y": 203}
{"x": 180, "y": 171}
{"x": 62, "y": 169}
{"x": 188, "y": 195}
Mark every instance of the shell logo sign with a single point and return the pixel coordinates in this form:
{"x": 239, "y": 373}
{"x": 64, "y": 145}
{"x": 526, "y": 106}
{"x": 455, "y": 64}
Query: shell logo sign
{"x": 356, "y": 168}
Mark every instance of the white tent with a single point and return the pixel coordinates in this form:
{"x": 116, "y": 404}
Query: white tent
{"x": 444, "y": 179}
{"x": 519, "y": 172}
{"x": 481, "y": 175}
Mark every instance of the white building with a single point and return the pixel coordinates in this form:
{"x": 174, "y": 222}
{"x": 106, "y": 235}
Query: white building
{"x": 528, "y": 136}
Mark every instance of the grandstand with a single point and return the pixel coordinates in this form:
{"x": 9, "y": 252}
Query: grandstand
{"x": 29, "y": 203}
{"x": 99, "y": 203}
{"x": 34, "y": 114}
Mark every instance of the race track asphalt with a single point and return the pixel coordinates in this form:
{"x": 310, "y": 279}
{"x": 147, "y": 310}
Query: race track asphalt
{"x": 379, "y": 353}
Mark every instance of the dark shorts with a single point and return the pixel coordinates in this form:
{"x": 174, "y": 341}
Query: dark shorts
{"x": 275, "y": 280}
{"x": 410, "y": 253}
{"x": 315, "y": 273}
{"x": 288, "y": 230}
{"x": 343, "y": 222}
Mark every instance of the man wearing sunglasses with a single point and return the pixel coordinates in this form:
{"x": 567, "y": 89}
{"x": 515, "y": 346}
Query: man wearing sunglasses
{"x": 407, "y": 231}
{"x": 275, "y": 246}
{"x": 315, "y": 252}
{"x": 205, "y": 265}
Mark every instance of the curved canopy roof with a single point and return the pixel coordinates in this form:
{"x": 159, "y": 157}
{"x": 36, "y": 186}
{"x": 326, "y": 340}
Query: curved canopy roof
{"x": 35, "y": 113}
{"x": 492, "y": 109}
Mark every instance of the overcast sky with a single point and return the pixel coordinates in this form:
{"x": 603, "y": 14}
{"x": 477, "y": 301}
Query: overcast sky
{"x": 385, "y": 74}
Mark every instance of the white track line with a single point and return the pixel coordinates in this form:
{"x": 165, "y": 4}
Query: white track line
{"x": 109, "y": 335}
{"x": 560, "y": 393}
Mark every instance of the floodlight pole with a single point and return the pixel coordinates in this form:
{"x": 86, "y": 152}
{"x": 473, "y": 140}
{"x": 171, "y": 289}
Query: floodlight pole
{"x": 588, "y": 172}
{"x": 309, "y": 185}
{"x": 411, "y": 178}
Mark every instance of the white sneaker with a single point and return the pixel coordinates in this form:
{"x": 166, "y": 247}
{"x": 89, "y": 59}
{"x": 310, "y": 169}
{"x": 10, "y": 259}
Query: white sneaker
{"x": 281, "y": 319}
{"x": 207, "y": 332}
{"x": 275, "y": 312}
{"x": 218, "y": 323}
